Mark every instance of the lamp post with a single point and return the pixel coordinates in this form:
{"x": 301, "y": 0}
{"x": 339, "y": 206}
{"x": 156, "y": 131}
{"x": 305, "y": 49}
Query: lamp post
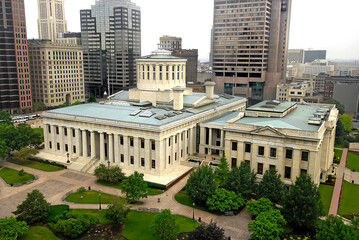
{"x": 68, "y": 155}
{"x": 193, "y": 212}
{"x": 99, "y": 197}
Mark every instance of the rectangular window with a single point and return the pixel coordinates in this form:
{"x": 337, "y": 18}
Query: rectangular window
{"x": 261, "y": 151}
{"x": 273, "y": 152}
{"x": 73, "y": 133}
{"x": 176, "y": 139}
{"x": 153, "y": 164}
{"x": 303, "y": 171}
{"x": 49, "y": 128}
{"x": 248, "y": 162}
{"x": 57, "y": 130}
{"x": 234, "y": 163}
{"x": 74, "y": 148}
{"x": 50, "y": 144}
{"x": 272, "y": 167}
{"x": 142, "y": 143}
{"x": 58, "y": 146}
{"x": 234, "y": 146}
{"x": 153, "y": 145}
{"x": 65, "y": 131}
{"x": 142, "y": 162}
{"x": 169, "y": 159}
{"x": 66, "y": 148}
{"x": 175, "y": 156}
{"x": 181, "y": 136}
{"x": 122, "y": 158}
{"x": 289, "y": 153}
{"x": 260, "y": 168}
{"x": 131, "y": 141}
{"x": 287, "y": 172}
{"x": 181, "y": 153}
{"x": 132, "y": 160}
{"x": 248, "y": 148}
{"x": 305, "y": 156}
{"x": 169, "y": 141}
{"x": 121, "y": 140}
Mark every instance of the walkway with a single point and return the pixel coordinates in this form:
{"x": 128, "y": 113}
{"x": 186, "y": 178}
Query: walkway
{"x": 334, "y": 205}
{"x": 55, "y": 186}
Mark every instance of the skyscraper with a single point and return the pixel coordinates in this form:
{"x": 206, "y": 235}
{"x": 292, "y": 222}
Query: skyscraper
{"x": 111, "y": 38}
{"x": 250, "y": 45}
{"x": 51, "y": 20}
{"x": 15, "y": 88}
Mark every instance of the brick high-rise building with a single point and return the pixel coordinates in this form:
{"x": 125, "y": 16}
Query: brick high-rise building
{"x": 51, "y": 20}
{"x": 192, "y": 62}
{"x": 15, "y": 87}
{"x": 111, "y": 39}
{"x": 250, "y": 45}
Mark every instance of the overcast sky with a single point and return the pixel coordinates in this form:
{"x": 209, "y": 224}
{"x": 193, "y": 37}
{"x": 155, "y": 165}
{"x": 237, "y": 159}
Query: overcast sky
{"x": 319, "y": 24}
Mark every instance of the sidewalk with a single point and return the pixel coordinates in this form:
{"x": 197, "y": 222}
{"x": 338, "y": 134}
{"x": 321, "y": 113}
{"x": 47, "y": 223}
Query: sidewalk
{"x": 334, "y": 205}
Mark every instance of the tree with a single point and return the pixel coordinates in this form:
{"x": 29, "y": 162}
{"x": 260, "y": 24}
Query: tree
{"x": 11, "y": 229}
{"x": 165, "y": 226}
{"x": 302, "y": 205}
{"x": 92, "y": 99}
{"x": 117, "y": 211}
{"x": 111, "y": 175}
{"x": 74, "y": 224}
{"x": 5, "y": 117}
{"x": 211, "y": 232}
{"x": 339, "y": 132}
{"x": 271, "y": 186}
{"x": 34, "y": 209}
{"x": 222, "y": 171}
{"x": 338, "y": 105}
{"x": 4, "y": 149}
{"x": 333, "y": 228}
{"x": 24, "y": 154}
{"x": 347, "y": 122}
{"x": 201, "y": 185}
{"x": 242, "y": 180}
{"x": 224, "y": 200}
{"x": 135, "y": 187}
{"x": 39, "y": 106}
{"x": 268, "y": 225}
{"x": 259, "y": 206}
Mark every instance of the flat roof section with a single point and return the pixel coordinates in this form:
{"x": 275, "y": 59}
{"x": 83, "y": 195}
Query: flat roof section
{"x": 266, "y": 107}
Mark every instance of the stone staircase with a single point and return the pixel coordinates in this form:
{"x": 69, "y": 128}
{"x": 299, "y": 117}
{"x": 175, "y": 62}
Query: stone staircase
{"x": 89, "y": 166}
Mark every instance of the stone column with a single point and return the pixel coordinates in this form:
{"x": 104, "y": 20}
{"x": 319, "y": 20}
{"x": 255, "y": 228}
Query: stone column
{"x": 116, "y": 148}
{"x": 69, "y": 140}
{"x": 53, "y": 138}
{"x": 110, "y": 148}
{"x": 158, "y": 156}
{"x": 296, "y": 160}
{"x": 210, "y": 130}
{"x": 125, "y": 149}
{"x": 185, "y": 145}
{"x": 46, "y": 137}
{"x": 102, "y": 147}
{"x": 166, "y": 152}
{"x": 191, "y": 140}
{"x": 179, "y": 146}
{"x": 148, "y": 150}
{"x": 136, "y": 153}
{"x": 93, "y": 145}
{"x": 84, "y": 143}
{"x": 173, "y": 158}
{"x": 78, "y": 142}
{"x": 222, "y": 138}
{"x": 62, "y": 139}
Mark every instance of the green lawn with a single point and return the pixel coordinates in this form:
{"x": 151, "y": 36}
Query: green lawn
{"x": 184, "y": 199}
{"x": 349, "y": 199}
{"x": 151, "y": 191}
{"x": 38, "y": 232}
{"x": 337, "y": 155}
{"x": 11, "y": 176}
{"x": 100, "y": 215}
{"x": 326, "y": 193}
{"x": 90, "y": 197}
{"x": 353, "y": 161}
{"x": 339, "y": 146}
{"x": 138, "y": 225}
{"x": 37, "y": 165}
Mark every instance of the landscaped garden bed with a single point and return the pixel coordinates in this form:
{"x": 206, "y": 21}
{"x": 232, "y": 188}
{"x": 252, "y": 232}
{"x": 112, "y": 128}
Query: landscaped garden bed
{"x": 14, "y": 177}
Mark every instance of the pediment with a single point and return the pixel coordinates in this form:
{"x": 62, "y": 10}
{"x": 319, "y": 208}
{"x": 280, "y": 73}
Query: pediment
{"x": 267, "y": 131}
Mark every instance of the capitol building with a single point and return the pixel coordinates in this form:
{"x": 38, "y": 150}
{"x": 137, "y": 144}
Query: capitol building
{"x": 160, "y": 126}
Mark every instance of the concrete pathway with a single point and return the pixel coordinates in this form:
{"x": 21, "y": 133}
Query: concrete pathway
{"x": 334, "y": 205}
{"x": 56, "y": 185}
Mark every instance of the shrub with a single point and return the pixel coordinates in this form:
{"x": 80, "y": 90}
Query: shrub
{"x": 267, "y": 225}
{"x": 10, "y": 229}
{"x": 117, "y": 211}
{"x": 57, "y": 212}
{"x": 259, "y": 206}
{"x": 224, "y": 200}
{"x": 164, "y": 225}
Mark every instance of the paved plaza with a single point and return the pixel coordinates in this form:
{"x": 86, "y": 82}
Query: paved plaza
{"x": 55, "y": 186}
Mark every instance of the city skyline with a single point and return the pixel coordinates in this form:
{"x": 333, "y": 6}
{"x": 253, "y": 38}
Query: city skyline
{"x": 314, "y": 24}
